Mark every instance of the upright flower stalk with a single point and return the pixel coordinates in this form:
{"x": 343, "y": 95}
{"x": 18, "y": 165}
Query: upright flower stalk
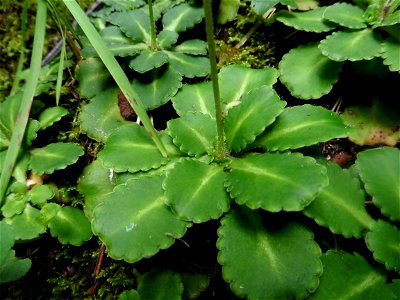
{"x": 152, "y": 26}
{"x": 220, "y": 151}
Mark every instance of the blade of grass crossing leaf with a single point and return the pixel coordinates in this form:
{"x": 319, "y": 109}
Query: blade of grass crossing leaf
{"x": 27, "y": 98}
{"x": 115, "y": 70}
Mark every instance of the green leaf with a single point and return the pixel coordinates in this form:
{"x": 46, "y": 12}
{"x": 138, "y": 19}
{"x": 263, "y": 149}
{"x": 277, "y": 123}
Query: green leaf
{"x": 49, "y": 211}
{"x": 124, "y": 4}
{"x": 352, "y": 45}
{"x": 340, "y": 205}
{"x": 194, "y": 133}
{"x": 101, "y": 116}
{"x": 40, "y": 193}
{"x": 188, "y": 65}
{"x": 194, "y": 284}
{"x": 134, "y": 23}
{"x": 119, "y": 43}
{"x": 182, "y": 17}
{"x": 348, "y": 276}
{"x": 194, "y": 47}
{"x": 188, "y": 189}
{"x": 390, "y": 54}
{"x": 380, "y": 171}
{"x": 51, "y": 115}
{"x": 384, "y": 241}
{"x": 267, "y": 261}
{"x": 95, "y": 182}
{"x": 300, "y": 126}
{"x": 148, "y": 60}
{"x": 262, "y": 6}
{"x": 307, "y": 73}
{"x": 26, "y": 225}
{"x": 70, "y": 226}
{"x": 346, "y": 15}
{"x": 11, "y": 268}
{"x": 311, "y": 21}
{"x": 14, "y": 205}
{"x": 53, "y": 157}
{"x": 238, "y": 80}
{"x": 130, "y": 148}
{"x": 157, "y": 87}
{"x": 227, "y": 10}
{"x": 195, "y": 98}
{"x": 161, "y": 285}
{"x": 257, "y": 110}
{"x": 93, "y": 77}
{"x": 275, "y": 181}
{"x": 373, "y": 125}
{"x": 134, "y": 222}
{"x": 129, "y": 295}
{"x": 166, "y": 38}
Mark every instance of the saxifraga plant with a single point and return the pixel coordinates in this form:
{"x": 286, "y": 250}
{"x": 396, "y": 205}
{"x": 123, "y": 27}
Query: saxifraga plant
{"x": 140, "y": 201}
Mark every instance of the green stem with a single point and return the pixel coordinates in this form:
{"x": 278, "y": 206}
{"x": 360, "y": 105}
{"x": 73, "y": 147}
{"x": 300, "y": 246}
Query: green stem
{"x": 27, "y": 98}
{"x": 152, "y": 26}
{"x": 220, "y": 153}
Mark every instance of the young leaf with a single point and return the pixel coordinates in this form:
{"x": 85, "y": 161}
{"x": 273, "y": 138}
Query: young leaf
{"x": 257, "y": 110}
{"x": 227, "y": 10}
{"x": 312, "y": 20}
{"x": 148, "y": 60}
{"x": 101, "y": 116}
{"x": 129, "y": 148}
{"x": 340, "y": 205}
{"x": 390, "y": 54}
{"x": 161, "y": 285}
{"x": 194, "y": 133}
{"x": 53, "y": 157}
{"x": 167, "y": 38}
{"x": 346, "y": 15}
{"x": 275, "y": 181}
{"x": 262, "y": 262}
{"x": 182, "y": 17}
{"x": 70, "y": 226}
{"x": 352, "y": 45}
{"x": 26, "y": 225}
{"x": 237, "y": 80}
{"x": 157, "y": 86}
{"x": 194, "y": 47}
{"x": 135, "y": 24}
{"x": 382, "y": 182}
{"x": 307, "y": 73}
{"x": 384, "y": 240}
{"x": 129, "y": 295}
{"x": 134, "y": 222}
{"x": 14, "y": 205}
{"x": 51, "y": 115}
{"x": 195, "y": 98}
{"x": 40, "y": 194}
{"x": 348, "y": 276}
{"x": 195, "y": 191}
{"x": 300, "y": 126}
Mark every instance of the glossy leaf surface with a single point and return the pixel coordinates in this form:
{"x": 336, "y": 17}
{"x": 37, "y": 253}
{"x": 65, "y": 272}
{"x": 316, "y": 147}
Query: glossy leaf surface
{"x": 348, "y": 276}
{"x": 51, "y": 115}
{"x": 300, "y": 126}
{"x": 275, "y": 181}
{"x": 188, "y": 65}
{"x": 195, "y": 191}
{"x": 161, "y": 285}
{"x": 340, "y": 206}
{"x": 266, "y": 262}
{"x": 182, "y": 17}
{"x": 194, "y": 133}
{"x": 130, "y": 148}
{"x": 346, "y": 15}
{"x": 380, "y": 171}
{"x": 352, "y": 45}
{"x": 307, "y": 73}
{"x": 135, "y": 24}
{"x": 148, "y": 60}
{"x": 384, "y": 240}
{"x": 257, "y": 110}
{"x": 134, "y": 222}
